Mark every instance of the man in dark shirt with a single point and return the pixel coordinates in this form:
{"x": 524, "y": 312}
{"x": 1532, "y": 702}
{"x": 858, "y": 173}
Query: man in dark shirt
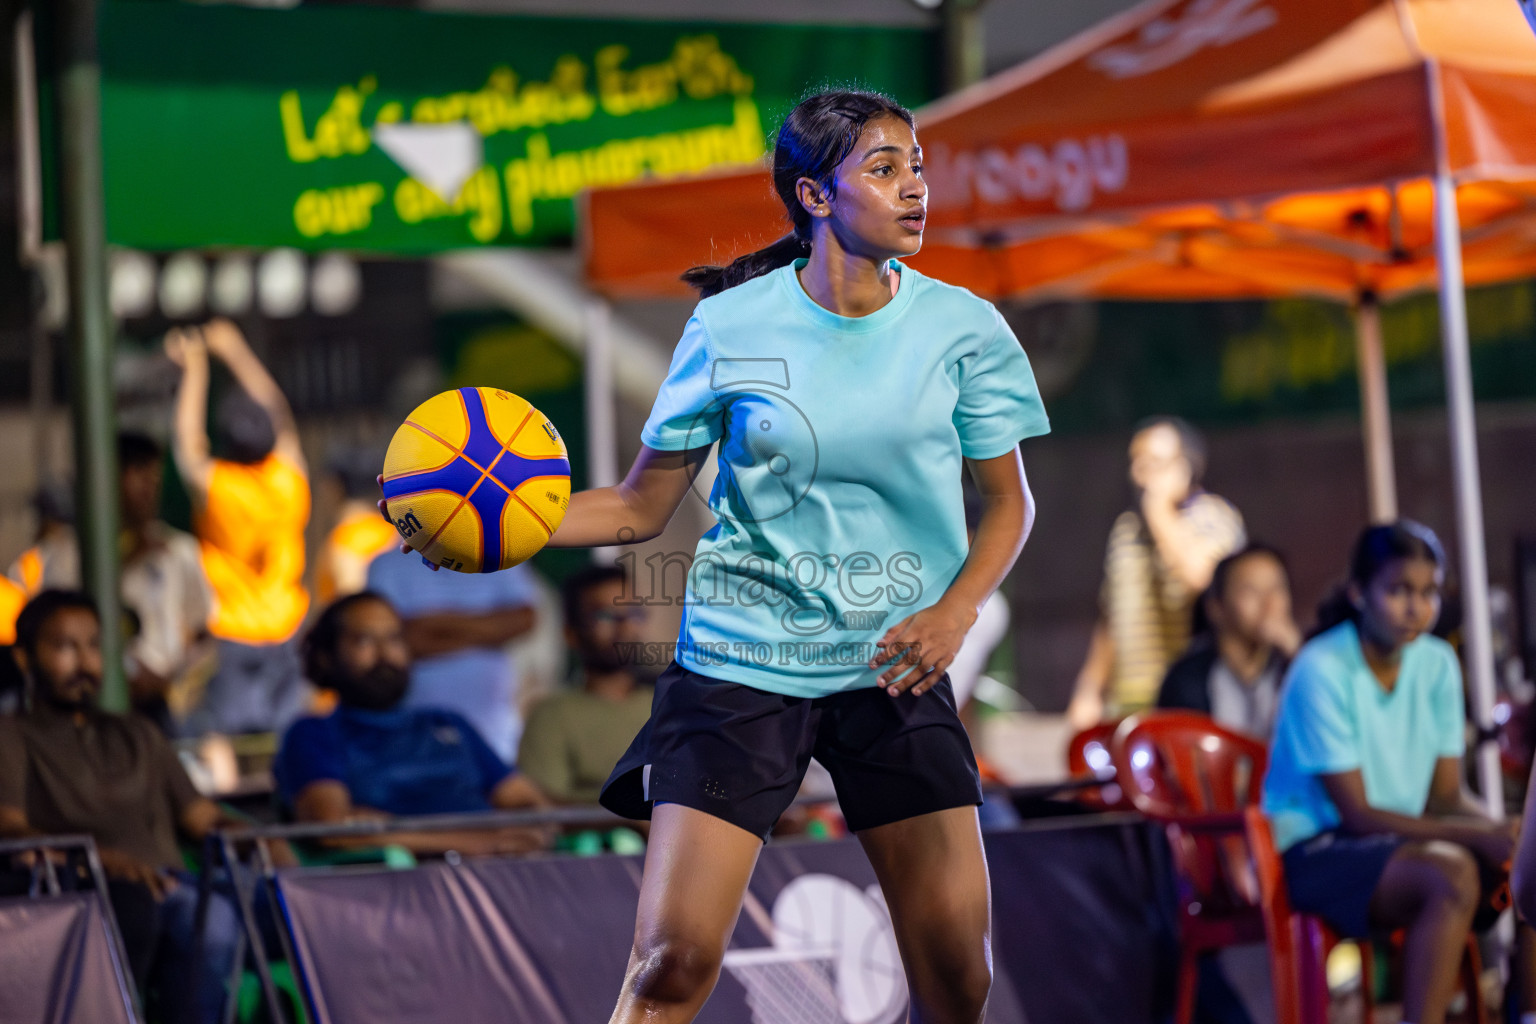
{"x": 1234, "y": 668}
{"x": 374, "y": 757}
{"x": 68, "y": 767}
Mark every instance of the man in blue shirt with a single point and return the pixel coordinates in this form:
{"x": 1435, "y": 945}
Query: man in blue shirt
{"x": 374, "y": 757}
{"x": 457, "y": 626}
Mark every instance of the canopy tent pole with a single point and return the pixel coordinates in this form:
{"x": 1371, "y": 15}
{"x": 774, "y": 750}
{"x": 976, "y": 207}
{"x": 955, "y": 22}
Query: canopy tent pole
{"x": 602, "y": 456}
{"x": 90, "y": 331}
{"x": 1375, "y": 412}
{"x": 1476, "y": 631}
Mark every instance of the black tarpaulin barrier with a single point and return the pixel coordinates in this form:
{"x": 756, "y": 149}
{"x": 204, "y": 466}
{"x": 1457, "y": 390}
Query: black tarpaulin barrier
{"x": 1082, "y": 932}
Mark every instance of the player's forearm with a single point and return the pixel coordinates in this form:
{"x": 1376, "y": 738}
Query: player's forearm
{"x": 606, "y": 516}
{"x": 1368, "y": 820}
{"x": 429, "y": 635}
{"x": 1006, "y": 521}
{"x": 1187, "y": 556}
{"x": 1458, "y": 804}
{"x": 190, "y": 441}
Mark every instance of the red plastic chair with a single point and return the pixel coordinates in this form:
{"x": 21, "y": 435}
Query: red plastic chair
{"x": 1199, "y": 780}
{"x": 1299, "y": 945}
{"x": 1088, "y": 753}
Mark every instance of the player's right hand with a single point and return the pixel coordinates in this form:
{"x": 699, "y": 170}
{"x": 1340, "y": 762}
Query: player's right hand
{"x": 127, "y": 868}
{"x": 183, "y": 343}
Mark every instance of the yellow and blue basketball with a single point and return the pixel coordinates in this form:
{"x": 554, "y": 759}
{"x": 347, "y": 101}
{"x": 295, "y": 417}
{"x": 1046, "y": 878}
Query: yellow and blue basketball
{"x": 477, "y": 479}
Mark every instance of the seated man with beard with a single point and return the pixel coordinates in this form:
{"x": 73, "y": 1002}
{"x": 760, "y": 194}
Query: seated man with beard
{"x": 67, "y": 766}
{"x": 371, "y": 757}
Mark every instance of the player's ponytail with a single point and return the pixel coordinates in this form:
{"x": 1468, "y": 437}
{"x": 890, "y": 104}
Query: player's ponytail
{"x": 814, "y": 139}
{"x": 712, "y": 280}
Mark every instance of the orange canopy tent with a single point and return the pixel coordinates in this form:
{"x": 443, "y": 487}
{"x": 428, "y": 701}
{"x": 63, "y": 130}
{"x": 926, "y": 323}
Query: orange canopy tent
{"x": 1186, "y": 149}
{"x": 1199, "y": 149}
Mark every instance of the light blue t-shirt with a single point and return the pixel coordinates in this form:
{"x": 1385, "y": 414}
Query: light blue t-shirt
{"x": 1335, "y": 716}
{"x": 478, "y": 683}
{"x": 837, "y": 501}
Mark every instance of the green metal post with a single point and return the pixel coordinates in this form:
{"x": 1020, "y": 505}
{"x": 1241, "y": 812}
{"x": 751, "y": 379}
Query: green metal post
{"x": 90, "y": 330}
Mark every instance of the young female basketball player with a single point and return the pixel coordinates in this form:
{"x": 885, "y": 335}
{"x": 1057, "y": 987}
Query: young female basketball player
{"x": 823, "y": 608}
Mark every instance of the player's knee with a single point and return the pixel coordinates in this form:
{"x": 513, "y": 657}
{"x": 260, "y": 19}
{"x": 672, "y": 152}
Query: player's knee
{"x": 970, "y": 988}
{"x": 1454, "y": 879}
{"x": 959, "y": 982}
{"x": 672, "y": 969}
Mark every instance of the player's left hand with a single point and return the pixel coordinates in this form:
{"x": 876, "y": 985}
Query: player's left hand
{"x": 921, "y": 647}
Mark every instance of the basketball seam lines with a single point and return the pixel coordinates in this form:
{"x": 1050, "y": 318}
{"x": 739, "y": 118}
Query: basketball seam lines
{"x": 429, "y": 469}
{"x": 536, "y": 517}
{"x": 443, "y": 441}
{"x": 512, "y": 441}
{"x": 484, "y": 475}
{"x": 528, "y": 416}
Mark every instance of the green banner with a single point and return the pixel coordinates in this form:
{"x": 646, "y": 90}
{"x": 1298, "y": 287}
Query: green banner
{"x": 409, "y": 132}
{"x": 1108, "y": 365}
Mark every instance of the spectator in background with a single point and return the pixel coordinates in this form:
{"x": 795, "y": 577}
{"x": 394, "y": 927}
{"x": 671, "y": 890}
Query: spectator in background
{"x": 371, "y": 756}
{"x": 12, "y": 600}
{"x": 458, "y": 626}
{"x": 162, "y": 582}
{"x": 1233, "y": 669}
{"x": 1364, "y": 786}
{"x": 13, "y": 684}
{"x": 250, "y": 505}
{"x": 53, "y": 560}
{"x": 360, "y": 534}
{"x": 1160, "y": 556}
{"x": 574, "y": 738}
{"x": 163, "y": 586}
{"x": 68, "y": 767}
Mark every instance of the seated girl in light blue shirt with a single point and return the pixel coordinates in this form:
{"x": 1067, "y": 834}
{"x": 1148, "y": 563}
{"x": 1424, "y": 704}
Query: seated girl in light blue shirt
{"x": 1365, "y": 786}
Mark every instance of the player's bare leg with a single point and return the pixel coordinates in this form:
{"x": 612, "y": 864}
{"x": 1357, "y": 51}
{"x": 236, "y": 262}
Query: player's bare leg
{"x": 696, "y": 872}
{"x": 933, "y": 872}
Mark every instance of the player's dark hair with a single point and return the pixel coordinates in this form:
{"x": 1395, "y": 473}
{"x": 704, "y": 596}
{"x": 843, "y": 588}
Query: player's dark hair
{"x": 1222, "y": 574}
{"x": 814, "y": 139}
{"x": 245, "y": 431}
{"x": 42, "y": 608}
{"x": 136, "y": 450}
{"x": 582, "y": 580}
{"x": 1191, "y": 443}
{"x": 1374, "y": 548}
{"x": 54, "y": 502}
{"x": 319, "y": 645}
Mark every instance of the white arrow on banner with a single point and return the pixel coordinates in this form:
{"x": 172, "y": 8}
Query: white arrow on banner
{"x": 440, "y": 156}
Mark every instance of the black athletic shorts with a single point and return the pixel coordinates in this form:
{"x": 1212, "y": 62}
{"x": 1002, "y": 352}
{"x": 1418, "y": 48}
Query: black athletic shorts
{"x": 739, "y": 753}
